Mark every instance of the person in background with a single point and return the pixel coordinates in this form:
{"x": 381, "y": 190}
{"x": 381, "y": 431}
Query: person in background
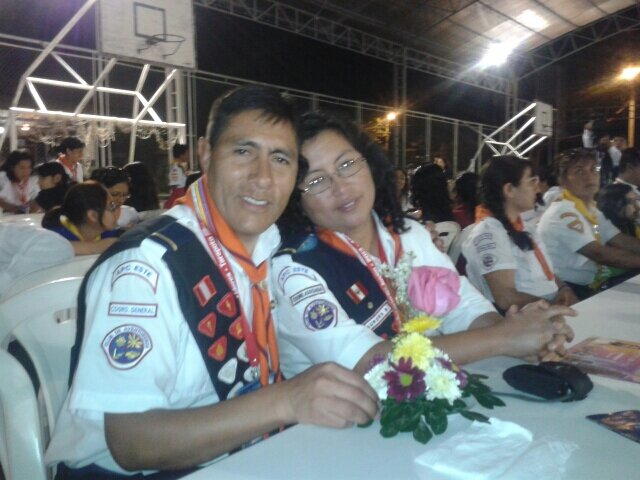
{"x": 21, "y": 189}
{"x": 70, "y": 153}
{"x": 582, "y": 243}
{"x": 465, "y": 191}
{"x": 342, "y": 224}
{"x": 506, "y": 260}
{"x": 178, "y": 362}
{"x": 402, "y": 188}
{"x": 54, "y": 183}
{"x": 430, "y": 194}
{"x": 442, "y": 163}
{"x": 88, "y": 218}
{"x": 620, "y": 204}
{"x": 178, "y": 173}
{"x": 116, "y": 181}
{"x": 143, "y": 192}
{"x": 618, "y": 144}
{"x": 629, "y": 170}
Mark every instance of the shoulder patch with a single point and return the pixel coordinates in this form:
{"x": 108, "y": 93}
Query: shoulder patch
{"x": 138, "y": 269}
{"x": 320, "y": 314}
{"x": 125, "y": 346}
{"x": 127, "y": 309}
{"x": 488, "y": 260}
{"x": 484, "y": 236}
{"x": 575, "y": 224}
{"x": 292, "y": 271}
{"x": 306, "y": 293}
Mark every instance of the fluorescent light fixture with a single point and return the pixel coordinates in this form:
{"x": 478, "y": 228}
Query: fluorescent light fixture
{"x": 532, "y": 20}
{"x": 497, "y": 54}
{"x": 630, "y": 73}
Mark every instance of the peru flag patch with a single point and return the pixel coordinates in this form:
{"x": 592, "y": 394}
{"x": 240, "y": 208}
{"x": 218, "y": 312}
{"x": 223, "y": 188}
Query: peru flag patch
{"x": 357, "y": 292}
{"x": 204, "y": 290}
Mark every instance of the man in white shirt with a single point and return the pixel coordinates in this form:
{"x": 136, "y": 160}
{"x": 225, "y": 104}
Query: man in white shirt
{"x": 178, "y": 361}
{"x": 583, "y": 245}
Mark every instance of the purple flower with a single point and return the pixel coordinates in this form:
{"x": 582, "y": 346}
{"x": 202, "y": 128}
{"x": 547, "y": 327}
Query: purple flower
{"x": 404, "y": 381}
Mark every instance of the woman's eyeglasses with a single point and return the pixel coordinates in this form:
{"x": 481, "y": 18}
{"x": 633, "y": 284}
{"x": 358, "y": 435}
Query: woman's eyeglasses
{"x": 321, "y": 182}
{"x": 112, "y": 206}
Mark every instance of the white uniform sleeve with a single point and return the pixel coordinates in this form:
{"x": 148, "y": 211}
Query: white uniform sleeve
{"x": 607, "y": 229}
{"x": 570, "y": 229}
{"x": 472, "y": 303}
{"x": 312, "y": 325}
{"x": 491, "y": 249}
{"x": 134, "y": 339}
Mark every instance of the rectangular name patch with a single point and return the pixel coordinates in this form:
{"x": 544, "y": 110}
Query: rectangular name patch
{"x": 378, "y": 317}
{"x": 306, "y": 293}
{"x": 122, "y": 309}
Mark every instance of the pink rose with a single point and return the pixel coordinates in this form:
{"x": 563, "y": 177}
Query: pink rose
{"x": 434, "y": 290}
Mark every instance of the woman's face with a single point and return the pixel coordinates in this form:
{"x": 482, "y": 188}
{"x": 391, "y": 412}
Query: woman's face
{"x": 23, "y": 170}
{"x": 346, "y": 205}
{"x": 524, "y": 195}
{"x": 401, "y": 180}
{"x": 119, "y": 192}
{"x": 631, "y": 210}
{"x": 110, "y": 215}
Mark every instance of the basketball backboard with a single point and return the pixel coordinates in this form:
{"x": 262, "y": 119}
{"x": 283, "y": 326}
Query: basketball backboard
{"x": 153, "y": 31}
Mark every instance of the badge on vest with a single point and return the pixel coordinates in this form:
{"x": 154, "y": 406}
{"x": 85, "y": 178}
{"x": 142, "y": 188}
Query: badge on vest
{"x": 126, "y": 346}
{"x": 357, "y": 292}
{"x": 320, "y": 314}
{"x": 126, "y": 309}
{"x": 204, "y": 290}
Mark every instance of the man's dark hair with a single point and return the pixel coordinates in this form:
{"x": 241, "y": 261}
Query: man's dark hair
{"x": 567, "y": 159}
{"x": 49, "y": 169}
{"x": 275, "y": 107}
{"x": 70, "y": 143}
{"x": 110, "y": 176}
{"x": 629, "y": 159}
{"x": 179, "y": 149}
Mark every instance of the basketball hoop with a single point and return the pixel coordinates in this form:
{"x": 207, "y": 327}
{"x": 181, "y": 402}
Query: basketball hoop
{"x": 169, "y": 41}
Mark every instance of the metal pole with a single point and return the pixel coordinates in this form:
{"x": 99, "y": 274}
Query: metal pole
{"x": 632, "y": 116}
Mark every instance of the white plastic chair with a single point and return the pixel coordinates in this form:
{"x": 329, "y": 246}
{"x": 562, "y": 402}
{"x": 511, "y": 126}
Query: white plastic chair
{"x": 456, "y": 247}
{"x": 447, "y": 231}
{"x": 76, "y": 267}
{"x": 21, "y": 445}
{"x": 34, "y": 219}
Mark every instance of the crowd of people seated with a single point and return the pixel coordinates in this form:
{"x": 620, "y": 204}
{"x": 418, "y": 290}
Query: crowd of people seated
{"x": 285, "y": 236}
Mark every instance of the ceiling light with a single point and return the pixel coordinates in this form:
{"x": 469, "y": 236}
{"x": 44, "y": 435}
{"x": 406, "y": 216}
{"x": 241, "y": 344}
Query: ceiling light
{"x": 497, "y": 54}
{"x": 391, "y": 116}
{"x": 629, "y": 73}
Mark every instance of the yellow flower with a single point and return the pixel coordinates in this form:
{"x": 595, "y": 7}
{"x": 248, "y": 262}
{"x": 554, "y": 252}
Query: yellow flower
{"x": 415, "y": 346}
{"x": 420, "y": 324}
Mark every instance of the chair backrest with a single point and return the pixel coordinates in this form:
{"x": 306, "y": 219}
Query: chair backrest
{"x": 34, "y": 219}
{"x": 21, "y": 445}
{"x": 40, "y": 301}
{"x": 456, "y": 247}
{"x": 447, "y": 231}
{"x": 76, "y": 267}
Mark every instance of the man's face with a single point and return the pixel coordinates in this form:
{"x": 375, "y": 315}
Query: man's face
{"x": 252, "y": 173}
{"x": 583, "y": 179}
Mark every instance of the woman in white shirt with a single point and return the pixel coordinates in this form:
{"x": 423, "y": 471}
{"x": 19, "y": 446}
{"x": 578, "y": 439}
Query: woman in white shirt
{"x": 507, "y": 261}
{"x": 116, "y": 181}
{"x": 18, "y": 193}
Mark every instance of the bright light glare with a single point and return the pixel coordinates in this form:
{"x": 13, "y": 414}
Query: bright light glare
{"x": 391, "y": 116}
{"x": 630, "y": 73}
{"x": 497, "y": 54}
{"x": 1, "y": 130}
{"x": 25, "y": 127}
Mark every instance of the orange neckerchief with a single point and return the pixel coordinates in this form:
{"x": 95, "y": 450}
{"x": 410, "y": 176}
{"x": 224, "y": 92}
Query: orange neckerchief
{"x": 72, "y": 168}
{"x": 262, "y": 323}
{"x": 483, "y": 212}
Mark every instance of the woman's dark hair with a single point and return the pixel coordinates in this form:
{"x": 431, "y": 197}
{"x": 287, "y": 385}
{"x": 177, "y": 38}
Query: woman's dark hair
{"x": 466, "y": 188}
{"x": 386, "y": 203}
{"x": 405, "y": 190}
{"x": 143, "y": 191}
{"x": 497, "y": 173}
{"x": 70, "y": 143}
{"x": 50, "y": 169}
{"x": 110, "y": 176}
{"x": 13, "y": 159}
{"x": 80, "y": 198}
{"x": 611, "y": 202}
{"x": 430, "y": 193}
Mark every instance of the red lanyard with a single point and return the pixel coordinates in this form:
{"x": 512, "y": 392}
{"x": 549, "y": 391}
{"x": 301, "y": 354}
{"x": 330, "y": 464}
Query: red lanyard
{"x": 371, "y": 266}
{"x": 222, "y": 263}
{"x": 22, "y": 191}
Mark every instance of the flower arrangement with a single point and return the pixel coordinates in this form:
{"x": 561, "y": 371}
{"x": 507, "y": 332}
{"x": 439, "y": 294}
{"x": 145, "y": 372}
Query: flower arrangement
{"x": 418, "y": 384}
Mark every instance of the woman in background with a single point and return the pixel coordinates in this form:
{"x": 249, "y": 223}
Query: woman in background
{"x": 143, "y": 191}
{"x": 54, "y": 183}
{"x": 619, "y": 203}
{"x": 88, "y": 218}
{"x": 466, "y": 188}
{"x": 21, "y": 189}
{"x": 70, "y": 153}
{"x": 430, "y": 194}
{"x": 116, "y": 181}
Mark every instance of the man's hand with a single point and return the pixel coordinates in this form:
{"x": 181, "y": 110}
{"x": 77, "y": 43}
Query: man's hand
{"x": 329, "y": 395}
{"x": 565, "y": 296}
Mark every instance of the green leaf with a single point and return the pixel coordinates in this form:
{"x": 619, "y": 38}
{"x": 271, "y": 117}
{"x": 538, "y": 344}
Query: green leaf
{"x": 459, "y": 405}
{"x": 365, "y": 425}
{"x": 485, "y": 400}
{"x": 422, "y": 433}
{"x": 390, "y": 413}
{"x": 437, "y": 422}
{"x": 475, "y": 416}
{"x": 388, "y": 431}
{"x": 409, "y": 419}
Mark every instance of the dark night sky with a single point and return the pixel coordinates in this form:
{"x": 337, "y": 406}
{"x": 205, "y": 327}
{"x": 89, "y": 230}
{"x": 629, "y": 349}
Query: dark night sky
{"x": 233, "y": 46}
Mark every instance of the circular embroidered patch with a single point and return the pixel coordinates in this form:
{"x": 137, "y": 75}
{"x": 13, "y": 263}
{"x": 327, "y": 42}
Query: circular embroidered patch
{"x": 489, "y": 260}
{"x": 320, "y": 314}
{"x": 125, "y": 346}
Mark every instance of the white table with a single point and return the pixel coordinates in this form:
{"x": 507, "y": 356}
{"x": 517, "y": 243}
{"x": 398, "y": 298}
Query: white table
{"x": 308, "y": 452}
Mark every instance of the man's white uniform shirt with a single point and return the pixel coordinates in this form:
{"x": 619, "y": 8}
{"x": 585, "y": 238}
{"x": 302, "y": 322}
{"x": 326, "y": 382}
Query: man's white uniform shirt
{"x": 564, "y": 231}
{"x": 490, "y": 249}
{"x": 134, "y": 292}
{"x": 345, "y": 341}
